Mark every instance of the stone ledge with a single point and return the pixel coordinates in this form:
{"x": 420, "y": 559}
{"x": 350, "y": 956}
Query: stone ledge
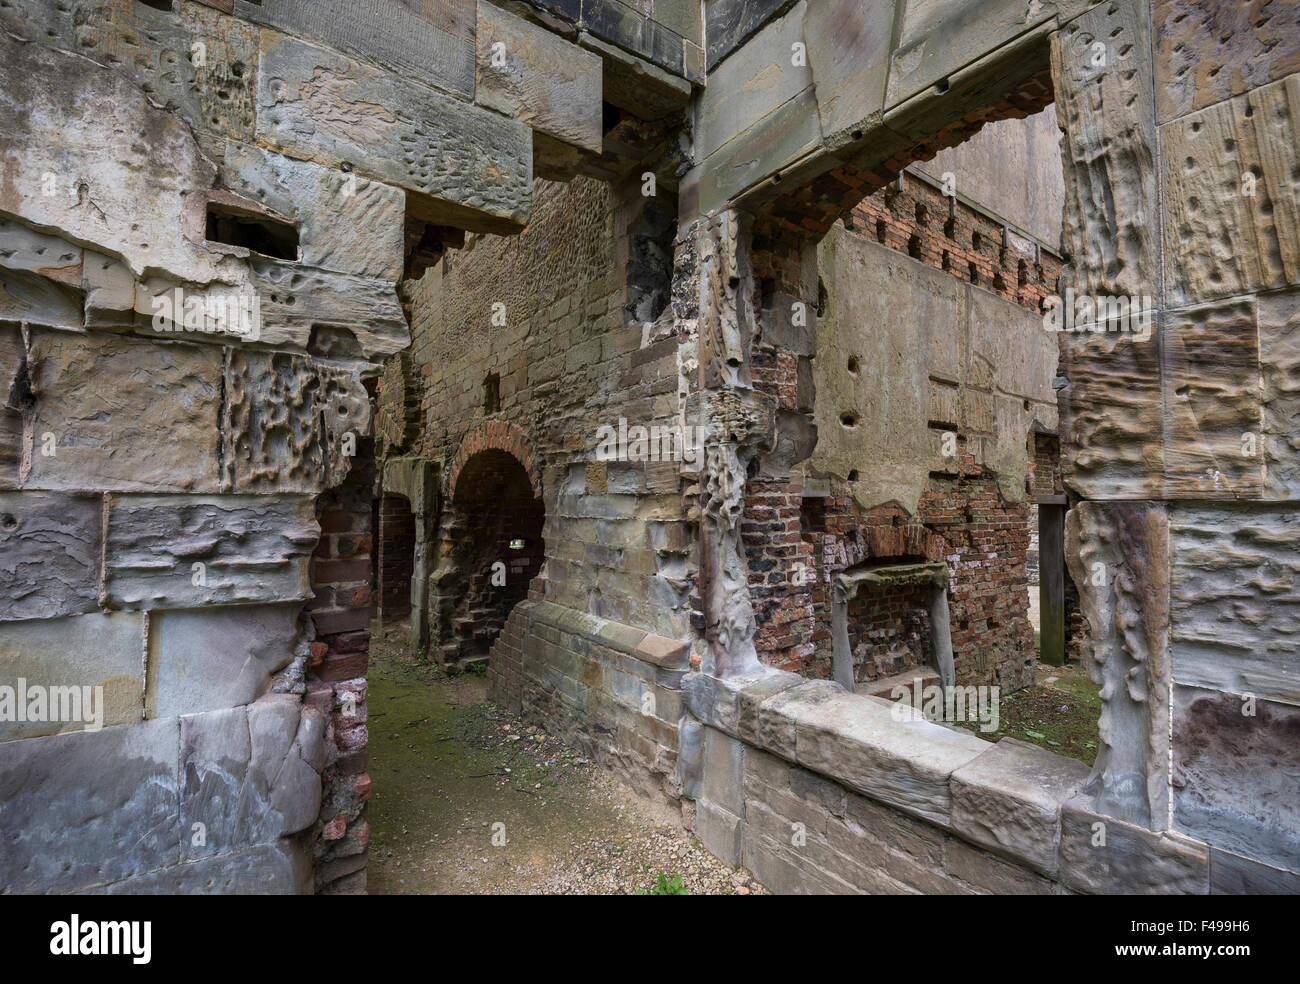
{"x": 1008, "y": 799}
{"x": 656, "y": 650}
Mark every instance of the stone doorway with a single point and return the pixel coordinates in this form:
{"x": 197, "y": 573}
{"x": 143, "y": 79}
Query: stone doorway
{"x": 491, "y": 547}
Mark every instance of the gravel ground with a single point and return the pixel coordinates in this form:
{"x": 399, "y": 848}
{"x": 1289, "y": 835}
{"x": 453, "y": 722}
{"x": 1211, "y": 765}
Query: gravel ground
{"x": 452, "y": 774}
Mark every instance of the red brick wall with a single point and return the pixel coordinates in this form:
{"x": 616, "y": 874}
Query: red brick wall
{"x": 950, "y": 235}
{"x": 794, "y": 546}
{"x": 340, "y": 614}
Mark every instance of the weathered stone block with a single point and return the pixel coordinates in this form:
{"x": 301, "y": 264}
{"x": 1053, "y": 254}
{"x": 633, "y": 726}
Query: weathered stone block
{"x": 49, "y": 554}
{"x": 107, "y": 809}
{"x": 52, "y": 105}
{"x": 936, "y": 38}
{"x": 1112, "y": 415}
{"x": 1206, "y": 52}
{"x": 165, "y": 395}
{"x": 724, "y": 771}
{"x": 282, "y": 868}
{"x": 26, "y": 249}
{"x": 248, "y": 548}
{"x": 1104, "y": 103}
{"x": 292, "y": 423}
{"x": 1009, "y": 798}
{"x": 785, "y": 136}
{"x": 1231, "y": 874}
{"x": 859, "y": 742}
{"x": 69, "y": 658}
{"x": 214, "y": 658}
{"x": 728, "y": 23}
{"x": 1235, "y": 763}
{"x": 335, "y": 315}
{"x": 1278, "y": 318}
{"x": 1235, "y": 600}
{"x": 1104, "y": 856}
{"x": 754, "y": 83}
{"x": 988, "y": 873}
{"x": 35, "y": 300}
{"x": 250, "y": 774}
{"x": 432, "y": 41}
{"x": 460, "y": 165}
{"x": 848, "y": 45}
{"x": 189, "y": 58}
{"x": 1231, "y": 187}
{"x": 721, "y": 832}
{"x": 1212, "y": 403}
{"x": 538, "y": 78}
{"x": 345, "y": 223}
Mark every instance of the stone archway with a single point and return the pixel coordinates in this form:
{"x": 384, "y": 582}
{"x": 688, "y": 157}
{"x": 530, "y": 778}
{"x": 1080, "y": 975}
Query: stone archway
{"x": 490, "y": 541}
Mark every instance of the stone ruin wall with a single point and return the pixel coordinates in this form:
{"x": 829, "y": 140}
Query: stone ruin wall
{"x": 1194, "y": 536}
{"x": 757, "y": 750}
{"x": 187, "y": 512}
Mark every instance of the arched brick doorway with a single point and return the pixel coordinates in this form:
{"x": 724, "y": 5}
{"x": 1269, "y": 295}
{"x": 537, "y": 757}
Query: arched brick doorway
{"x": 491, "y": 543}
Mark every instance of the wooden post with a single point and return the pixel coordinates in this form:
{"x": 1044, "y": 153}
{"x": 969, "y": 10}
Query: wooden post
{"x": 1051, "y": 579}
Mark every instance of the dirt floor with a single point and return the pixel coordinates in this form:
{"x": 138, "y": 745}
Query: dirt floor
{"x": 1060, "y": 713}
{"x": 467, "y": 799}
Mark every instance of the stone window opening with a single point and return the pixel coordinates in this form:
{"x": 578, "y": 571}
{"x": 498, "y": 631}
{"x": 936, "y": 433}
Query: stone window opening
{"x": 249, "y": 230}
{"x": 492, "y": 393}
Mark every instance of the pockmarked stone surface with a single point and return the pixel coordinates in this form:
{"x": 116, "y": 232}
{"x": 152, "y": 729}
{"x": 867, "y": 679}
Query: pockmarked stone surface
{"x": 459, "y": 165}
{"x": 292, "y": 424}
{"x": 1207, "y": 51}
{"x": 1235, "y": 600}
{"x": 103, "y": 179}
{"x": 1231, "y": 184}
{"x": 1104, "y": 104}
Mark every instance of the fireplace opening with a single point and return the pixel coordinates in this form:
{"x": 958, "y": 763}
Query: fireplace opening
{"x": 890, "y": 625}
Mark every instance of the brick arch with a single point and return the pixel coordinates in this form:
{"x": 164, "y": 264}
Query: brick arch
{"x": 495, "y": 435}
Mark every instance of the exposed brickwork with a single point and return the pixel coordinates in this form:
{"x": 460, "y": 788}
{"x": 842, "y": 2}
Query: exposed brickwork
{"x": 950, "y": 235}
{"x": 336, "y": 686}
{"x": 568, "y": 360}
{"x": 498, "y": 435}
{"x": 795, "y": 546}
{"x": 492, "y": 547}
